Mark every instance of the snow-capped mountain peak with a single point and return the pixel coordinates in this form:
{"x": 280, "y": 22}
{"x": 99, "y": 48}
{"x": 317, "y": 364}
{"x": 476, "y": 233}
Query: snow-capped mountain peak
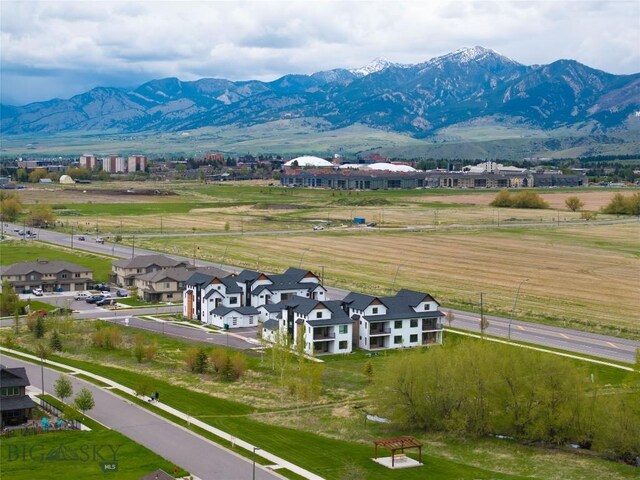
{"x": 471, "y": 54}
{"x": 377, "y": 65}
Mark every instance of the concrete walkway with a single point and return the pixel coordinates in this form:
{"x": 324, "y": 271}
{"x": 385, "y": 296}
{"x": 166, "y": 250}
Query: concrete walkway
{"x": 276, "y": 461}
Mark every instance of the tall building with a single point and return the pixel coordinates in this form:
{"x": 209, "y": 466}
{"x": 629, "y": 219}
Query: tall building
{"x": 88, "y": 161}
{"x": 114, "y": 164}
{"x": 137, "y": 163}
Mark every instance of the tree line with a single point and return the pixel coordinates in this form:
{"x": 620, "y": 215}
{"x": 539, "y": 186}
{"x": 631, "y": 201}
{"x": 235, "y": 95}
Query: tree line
{"x": 481, "y": 389}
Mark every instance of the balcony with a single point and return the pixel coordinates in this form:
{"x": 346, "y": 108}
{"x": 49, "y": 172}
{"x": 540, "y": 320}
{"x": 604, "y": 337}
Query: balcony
{"x": 379, "y": 329}
{"x": 323, "y": 335}
{"x": 431, "y": 325}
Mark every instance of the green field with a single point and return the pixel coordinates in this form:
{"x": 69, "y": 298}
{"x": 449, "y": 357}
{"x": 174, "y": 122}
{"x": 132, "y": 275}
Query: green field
{"x": 20, "y": 251}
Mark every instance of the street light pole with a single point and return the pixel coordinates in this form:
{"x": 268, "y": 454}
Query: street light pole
{"x": 513, "y": 310}
{"x": 133, "y": 246}
{"x": 254, "y": 461}
{"x": 302, "y": 257}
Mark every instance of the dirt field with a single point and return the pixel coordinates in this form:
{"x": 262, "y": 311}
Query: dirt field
{"x": 592, "y": 200}
{"x": 584, "y": 275}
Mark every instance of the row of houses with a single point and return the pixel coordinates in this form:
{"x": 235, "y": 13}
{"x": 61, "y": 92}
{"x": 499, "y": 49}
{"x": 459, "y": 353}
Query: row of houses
{"x": 294, "y": 305}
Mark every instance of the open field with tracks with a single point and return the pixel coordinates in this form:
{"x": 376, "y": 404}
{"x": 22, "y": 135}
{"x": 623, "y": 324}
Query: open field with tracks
{"x": 450, "y": 243}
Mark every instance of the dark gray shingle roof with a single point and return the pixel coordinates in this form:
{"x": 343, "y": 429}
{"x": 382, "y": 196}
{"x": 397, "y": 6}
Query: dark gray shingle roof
{"x": 44, "y": 266}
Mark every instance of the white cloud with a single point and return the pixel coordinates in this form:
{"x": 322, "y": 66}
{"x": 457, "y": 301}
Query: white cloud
{"x": 96, "y": 42}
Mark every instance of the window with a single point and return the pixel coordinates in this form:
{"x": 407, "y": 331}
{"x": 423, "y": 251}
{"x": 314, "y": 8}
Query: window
{"x": 250, "y": 319}
{"x": 76, "y": 275}
{"x": 343, "y": 345}
{"x": 374, "y": 310}
{"x": 32, "y": 277}
{"x": 63, "y": 275}
{"x": 169, "y": 295}
{"x": 10, "y": 391}
{"x": 233, "y": 300}
{"x": 165, "y": 284}
{"x": 318, "y": 314}
{"x": 397, "y": 339}
{"x": 413, "y": 338}
{"x": 427, "y": 306}
{"x": 343, "y": 329}
{"x": 234, "y": 321}
{"x": 414, "y": 323}
{"x": 397, "y": 324}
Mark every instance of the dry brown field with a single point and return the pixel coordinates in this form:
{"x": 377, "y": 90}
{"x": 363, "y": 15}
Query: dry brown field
{"x": 583, "y": 275}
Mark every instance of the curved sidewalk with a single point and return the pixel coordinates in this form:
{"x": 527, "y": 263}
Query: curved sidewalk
{"x": 274, "y": 459}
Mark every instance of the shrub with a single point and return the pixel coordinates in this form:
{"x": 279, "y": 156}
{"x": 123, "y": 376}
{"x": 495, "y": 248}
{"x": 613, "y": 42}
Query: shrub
{"x": 108, "y": 338}
{"x": 574, "y": 203}
{"x": 522, "y": 199}
{"x": 621, "y": 205}
{"x": 238, "y": 364}
{"x": 218, "y": 358}
{"x": 196, "y": 359}
{"x": 139, "y": 348}
{"x": 151, "y": 351}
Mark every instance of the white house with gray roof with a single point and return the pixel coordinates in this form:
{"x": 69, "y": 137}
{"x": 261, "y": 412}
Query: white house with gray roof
{"x": 49, "y": 275}
{"x": 408, "y": 319}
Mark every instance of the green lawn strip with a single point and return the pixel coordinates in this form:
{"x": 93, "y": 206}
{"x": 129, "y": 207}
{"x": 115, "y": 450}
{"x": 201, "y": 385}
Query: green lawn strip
{"x": 77, "y": 455}
{"x": 36, "y": 361}
{"x": 135, "y": 302}
{"x": 35, "y": 305}
{"x": 20, "y": 251}
{"x": 604, "y": 372}
{"x": 86, "y": 420}
{"x": 95, "y": 381}
{"x": 324, "y": 456}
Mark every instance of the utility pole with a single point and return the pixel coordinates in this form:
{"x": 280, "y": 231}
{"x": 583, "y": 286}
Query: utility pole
{"x": 133, "y": 246}
{"x": 160, "y": 224}
{"x": 322, "y": 275}
{"x": 482, "y": 324}
{"x": 71, "y": 236}
{"x": 513, "y": 310}
{"x": 393, "y": 285}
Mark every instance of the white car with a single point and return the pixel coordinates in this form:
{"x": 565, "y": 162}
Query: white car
{"x": 99, "y": 240}
{"x": 318, "y": 227}
{"x": 106, "y": 294}
{"x": 82, "y": 295}
{"x": 37, "y": 292}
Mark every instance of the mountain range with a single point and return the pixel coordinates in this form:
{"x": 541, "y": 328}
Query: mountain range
{"x": 416, "y": 100}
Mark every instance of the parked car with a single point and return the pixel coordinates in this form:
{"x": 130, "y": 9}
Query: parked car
{"x": 37, "y": 292}
{"x": 93, "y": 298}
{"x": 81, "y": 238}
{"x": 105, "y": 302}
{"x": 41, "y": 313}
{"x": 105, "y": 294}
{"x": 122, "y": 293}
{"x": 103, "y": 287}
{"x": 82, "y": 295}
{"x": 371, "y": 224}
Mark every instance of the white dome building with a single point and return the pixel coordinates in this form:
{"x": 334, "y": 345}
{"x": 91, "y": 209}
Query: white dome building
{"x": 308, "y": 161}
{"x": 391, "y": 167}
{"x": 66, "y": 179}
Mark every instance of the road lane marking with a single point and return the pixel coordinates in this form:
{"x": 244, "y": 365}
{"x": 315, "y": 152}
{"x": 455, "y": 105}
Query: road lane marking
{"x": 563, "y": 335}
{"x": 520, "y": 327}
{"x": 612, "y": 345}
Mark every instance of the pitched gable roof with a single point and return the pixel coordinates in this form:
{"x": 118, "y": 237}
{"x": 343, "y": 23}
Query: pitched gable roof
{"x": 13, "y": 377}
{"x": 144, "y": 261}
{"x": 415, "y": 298}
{"x": 358, "y": 301}
{"x": 44, "y": 267}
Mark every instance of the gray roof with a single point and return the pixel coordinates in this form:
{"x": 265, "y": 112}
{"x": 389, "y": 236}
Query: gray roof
{"x": 414, "y": 298}
{"x": 144, "y": 261}
{"x": 157, "y": 475}
{"x": 241, "y": 310}
{"x": 44, "y": 266}
{"x": 13, "y": 377}
{"x": 229, "y": 283}
{"x": 247, "y": 276}
{"x": 16, "y": 403}
{"x": 273, "y": 307}
{"x": 358, "y": 301}
{"x": 179, "y": 274}
{"x": 271, "y": 324}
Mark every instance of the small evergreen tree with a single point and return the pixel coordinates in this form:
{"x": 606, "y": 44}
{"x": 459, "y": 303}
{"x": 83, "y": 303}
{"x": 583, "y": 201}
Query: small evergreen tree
{"x": 39, "y": 327}
{"x": 56, "y": 342}
{"x": 368, "y": 371}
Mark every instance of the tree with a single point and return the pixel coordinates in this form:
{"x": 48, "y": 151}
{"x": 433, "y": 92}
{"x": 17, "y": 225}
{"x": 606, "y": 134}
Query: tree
{"x": 9, "y": 300}
{"x": 226, "y": 370}
{"x": 503, "y": 199}
{"x": 37, "y": 174}
{"x": 574, "y": 203}
{"x": 84, "y": 400}
{"x": 238, "y": 364}
{"x": 41, "y": 215}
{"x": 63, "y": 388}
{"x": 39, "y": 328}
{"x": 196, "y": 359}
{"x": 218, "y": 358}
{"x": 10, "y": 206}
{"x": 450, "y": 317}
{"x": 55, "y": 342}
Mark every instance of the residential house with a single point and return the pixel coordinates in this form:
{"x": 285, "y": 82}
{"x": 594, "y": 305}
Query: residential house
{"x": 16, "y": 406}
{"x": 48, "y": 275}
{"x": 124, "y": 272}
{"x": 247, "y": 289}
{"x": 408, "y": 319}
{"x": 322, "y": 326}
{"x": 168, "y": 284}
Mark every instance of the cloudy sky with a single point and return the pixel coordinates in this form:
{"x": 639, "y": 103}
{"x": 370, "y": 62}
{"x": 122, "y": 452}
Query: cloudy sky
{"x": 62, "y": 48}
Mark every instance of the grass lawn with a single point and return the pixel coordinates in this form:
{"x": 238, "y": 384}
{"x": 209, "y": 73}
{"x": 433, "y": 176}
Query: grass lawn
{"x": 20, "y": 251}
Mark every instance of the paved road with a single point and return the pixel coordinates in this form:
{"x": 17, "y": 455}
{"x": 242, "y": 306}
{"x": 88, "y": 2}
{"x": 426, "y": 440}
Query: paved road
{"x": 609, "y": 347}
{"x": 194, "y": 453}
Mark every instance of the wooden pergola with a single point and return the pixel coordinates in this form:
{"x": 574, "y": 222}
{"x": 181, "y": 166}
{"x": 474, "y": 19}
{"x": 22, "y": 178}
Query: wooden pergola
{"x": 398, "y": 443}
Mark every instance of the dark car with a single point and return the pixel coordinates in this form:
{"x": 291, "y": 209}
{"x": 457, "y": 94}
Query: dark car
{"x": 94, "y": 298}
{"x": 81, "y": 238}
{"x": 122, "y": 293}
{"x": 103, "y": 287}
{"x": 105, "y": 302}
